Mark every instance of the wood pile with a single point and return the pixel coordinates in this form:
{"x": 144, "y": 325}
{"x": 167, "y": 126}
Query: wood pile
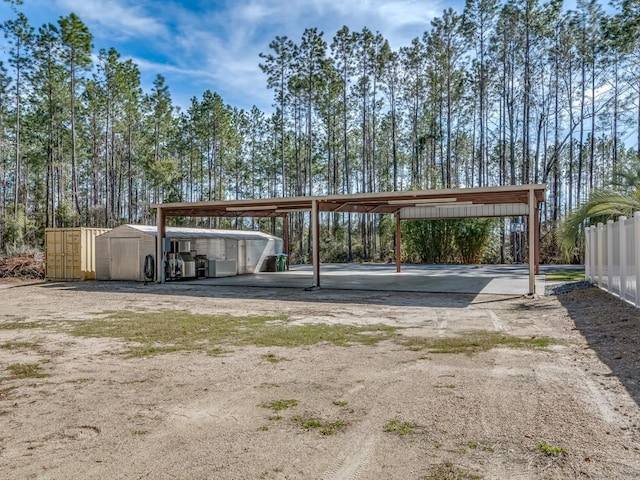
{"x": 28, "y": 265}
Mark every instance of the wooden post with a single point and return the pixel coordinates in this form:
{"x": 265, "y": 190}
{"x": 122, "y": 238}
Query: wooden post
{"x": 532, "y": 242}
{"x": 285, "y": 219}
{"x": 315, "y": 231}
{"x": 536, "y": 223}
{"x": 398, "y": 251}
{"x": 160, "y": 246}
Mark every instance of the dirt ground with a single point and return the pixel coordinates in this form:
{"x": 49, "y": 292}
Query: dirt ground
{"x": 567, "y": 411}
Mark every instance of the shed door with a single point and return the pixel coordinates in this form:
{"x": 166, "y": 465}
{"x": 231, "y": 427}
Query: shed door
{"x": 72, "y": 256}
{"x": 63, "y": 254}
{"x": 55, "y": 255}
{"x": 124, "y": 262}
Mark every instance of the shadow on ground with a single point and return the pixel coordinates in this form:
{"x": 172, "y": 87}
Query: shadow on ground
{"x": 324, "y": 295}
{"x": 612, "y": 329}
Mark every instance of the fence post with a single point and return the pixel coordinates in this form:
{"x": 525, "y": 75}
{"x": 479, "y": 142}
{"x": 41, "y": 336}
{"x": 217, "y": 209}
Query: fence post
{"x": 622, "y": 228}
{"x": 609, "y": 255}
{"x": 594, "y": 254}
{"x": 636, "y": 247}
{"x": 599, "y": 231}
{"x": 587, "y": 252}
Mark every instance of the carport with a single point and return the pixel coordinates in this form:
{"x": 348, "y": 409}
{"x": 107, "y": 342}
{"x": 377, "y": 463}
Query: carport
{"x": 505, "y": 201}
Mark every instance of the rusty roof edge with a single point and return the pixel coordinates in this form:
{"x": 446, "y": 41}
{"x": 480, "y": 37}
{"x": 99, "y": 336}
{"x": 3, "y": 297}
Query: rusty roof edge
{"x": 539, "y": 191}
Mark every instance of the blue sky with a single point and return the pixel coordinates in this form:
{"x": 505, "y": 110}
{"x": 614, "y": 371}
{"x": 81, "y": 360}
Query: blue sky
{"x": 198, "y": 45}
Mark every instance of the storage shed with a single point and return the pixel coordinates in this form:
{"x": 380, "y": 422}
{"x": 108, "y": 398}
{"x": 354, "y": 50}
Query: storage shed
{"x": 70, "y": 253}
{"x": 121, "y": 252}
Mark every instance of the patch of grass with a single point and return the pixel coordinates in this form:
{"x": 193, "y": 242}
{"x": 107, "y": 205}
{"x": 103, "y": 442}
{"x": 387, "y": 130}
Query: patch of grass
{"x": 473, "y": 342}
{"x": 448, "y": 471}
{"x": 400, "y": 428}
{"x": 16, "y": 345}
{"x": 485, "y": 447}
{"x": 552, "y": 451}
{"x": 311, "y": 424}
{"x": 279, "y": 405}
{"x": 314, "y": 333}
{"x": 18, "y": 325}
{"x": 340, "y": 403}
{"x": 26, "y": 370}
{"x": 564, "y": 275}
{"x": 176, "y": 330}
{"x": 451, "y": 385}
{"x": 153, "y": 350}
{"x": 217, "y": 351}
{"x": 273, "y": 358}
{"x": 323, "y": 426}
{"x": 263, "y": 428}
{"x": 338, "y": 424}
{"x": 140, "y": 432}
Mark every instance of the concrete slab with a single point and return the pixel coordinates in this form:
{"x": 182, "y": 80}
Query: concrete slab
{"x": 474, "y": 279}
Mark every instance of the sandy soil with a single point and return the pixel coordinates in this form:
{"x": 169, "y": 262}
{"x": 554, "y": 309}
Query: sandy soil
{"x": 101, "y": 414}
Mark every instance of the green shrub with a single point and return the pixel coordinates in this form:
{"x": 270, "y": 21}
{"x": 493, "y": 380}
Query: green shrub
{"x": 471, "y": 238}
{"x": 447, "y": 241}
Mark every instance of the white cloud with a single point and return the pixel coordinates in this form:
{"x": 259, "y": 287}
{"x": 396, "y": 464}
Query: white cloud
{"x": 216, "y": 45}
{"x": 116, "y": 16}
{"x": 399, "y": 14}
{"x": 251, "y": 12}
{"x": 222, "y": 47}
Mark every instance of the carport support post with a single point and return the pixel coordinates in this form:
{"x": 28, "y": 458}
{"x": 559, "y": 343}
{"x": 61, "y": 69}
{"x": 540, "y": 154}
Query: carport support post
{"x": 159, "y": 247}
{"x": 285, "y": 233}
{"x": 532, "y": 241}
{"x": 536, "y": 223}
{"x": 315, "y": 230}
{"x": 398, "y": 242}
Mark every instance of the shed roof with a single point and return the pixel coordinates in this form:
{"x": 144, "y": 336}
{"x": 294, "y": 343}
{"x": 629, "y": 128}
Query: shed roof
{"x": 186, "y": 233}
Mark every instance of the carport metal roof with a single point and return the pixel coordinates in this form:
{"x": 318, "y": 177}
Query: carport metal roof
{"x": 382, "y": 202}
{"x": 440, "y": 203}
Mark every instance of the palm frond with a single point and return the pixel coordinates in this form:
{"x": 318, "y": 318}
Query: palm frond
{"x": 602, "y": 205}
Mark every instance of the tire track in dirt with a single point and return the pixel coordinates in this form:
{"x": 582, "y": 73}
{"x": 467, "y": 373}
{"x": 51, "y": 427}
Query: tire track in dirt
{"x": 363, "y": 438}
{"x": 356, "y": 457}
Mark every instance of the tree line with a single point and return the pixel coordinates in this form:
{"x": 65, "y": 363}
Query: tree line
{"x": 497, "y": 94}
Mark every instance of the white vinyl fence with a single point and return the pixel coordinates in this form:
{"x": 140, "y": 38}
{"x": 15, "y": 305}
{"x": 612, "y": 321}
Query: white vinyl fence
{"x": 612, "y": 257}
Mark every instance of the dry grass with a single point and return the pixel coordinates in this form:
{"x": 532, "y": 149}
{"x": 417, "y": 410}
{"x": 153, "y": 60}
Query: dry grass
{"x": 26, "y": 370}
{"x": 474, "y": 342}
{"x": 176, "y": 330}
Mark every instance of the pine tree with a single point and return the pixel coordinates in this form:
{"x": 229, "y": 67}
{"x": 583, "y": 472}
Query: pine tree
{"x": 76, "y": 43}
{"x": 20, "y": 36}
